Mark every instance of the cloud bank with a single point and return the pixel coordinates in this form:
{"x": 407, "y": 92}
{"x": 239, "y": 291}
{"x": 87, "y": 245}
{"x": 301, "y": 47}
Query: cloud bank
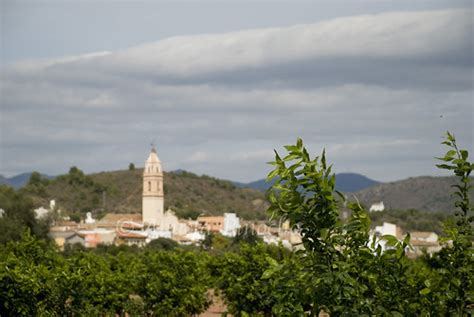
{"x": 377, "y": 91}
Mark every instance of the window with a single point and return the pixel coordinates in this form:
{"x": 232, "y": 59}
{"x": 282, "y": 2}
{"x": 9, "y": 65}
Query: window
{"x": 149, "y": 186}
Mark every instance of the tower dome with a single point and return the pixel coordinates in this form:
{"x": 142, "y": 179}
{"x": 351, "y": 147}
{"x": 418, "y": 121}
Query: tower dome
{"x": 153, "y": 163}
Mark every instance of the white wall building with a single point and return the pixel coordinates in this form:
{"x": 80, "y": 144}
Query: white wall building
{"x": 41, "y": 212}
{"x": 153, "y": 233}
{"x": 386, "y": 228}
{"x": 231, "y": 225}
{"x": 377, "y": 207}
{"x": 89, "y": 219}
{"x": 195, "y": 236}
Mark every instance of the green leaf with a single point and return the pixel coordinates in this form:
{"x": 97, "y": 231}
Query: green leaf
{"x": 445, "y": 166}
{"x": 391, "y": 240}
{"x": 425, "y": 291}
{"x": 299, "y": 143}
{"x": 267, "y": 274}
{"x": 272, "y": 174}
{"x": 291, "y": 148}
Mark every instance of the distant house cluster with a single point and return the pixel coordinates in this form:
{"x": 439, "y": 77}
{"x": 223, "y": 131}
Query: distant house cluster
{"x": 421, "y": 241}
{"x": 154, "y": 222}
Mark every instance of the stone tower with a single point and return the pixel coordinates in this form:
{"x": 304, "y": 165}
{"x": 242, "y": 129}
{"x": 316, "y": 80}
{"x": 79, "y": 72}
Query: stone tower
{"x": 153, "y": 199}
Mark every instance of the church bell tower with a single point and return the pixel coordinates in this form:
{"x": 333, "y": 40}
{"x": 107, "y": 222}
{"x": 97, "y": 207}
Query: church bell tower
{"x": 153, "y": 198}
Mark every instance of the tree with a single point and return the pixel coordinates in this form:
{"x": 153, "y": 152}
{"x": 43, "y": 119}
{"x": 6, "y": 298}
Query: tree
{"x": 455, "y": 263}
{"x": 344, "y": 271}
{"x": 242, "y": 280}
{"x": 247, "y": 235}
{"x": 18, "y": 216}
{"x": 162, "y": 244}
{"x": 131, "y": 167}
{"x": 208, "y": 239}
{"x": 35, "y": 179}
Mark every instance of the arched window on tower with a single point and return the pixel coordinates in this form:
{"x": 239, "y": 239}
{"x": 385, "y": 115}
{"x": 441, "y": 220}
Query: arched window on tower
{"x": 149, "y": 186}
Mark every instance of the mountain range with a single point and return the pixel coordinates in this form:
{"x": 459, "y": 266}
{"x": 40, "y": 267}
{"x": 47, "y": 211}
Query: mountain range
{"x": 16, "y": 181}
{"x": 345, "y": 182}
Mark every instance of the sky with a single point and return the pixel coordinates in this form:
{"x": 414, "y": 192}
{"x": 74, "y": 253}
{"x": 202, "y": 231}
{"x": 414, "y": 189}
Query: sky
{"x": 217, "y": 86}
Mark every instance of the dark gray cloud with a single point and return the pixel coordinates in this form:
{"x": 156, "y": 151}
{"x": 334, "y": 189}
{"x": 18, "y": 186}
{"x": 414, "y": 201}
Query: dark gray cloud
{"x": 376, "y": 91}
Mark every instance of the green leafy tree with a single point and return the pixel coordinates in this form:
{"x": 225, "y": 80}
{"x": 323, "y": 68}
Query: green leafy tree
{"x": 242, "y": 280}
{"x": 28, "y": 284}
{"x": 173, "y": 283}
{"x": 455, "y": 263}
{"x": 345, "y": 271}
{"x": 162, "y": 244}
{"x": 247, "y": 235}
{"x": 18, "y": 215}
{"x": 131, "y": 167}
{"x": 208, "y": 240}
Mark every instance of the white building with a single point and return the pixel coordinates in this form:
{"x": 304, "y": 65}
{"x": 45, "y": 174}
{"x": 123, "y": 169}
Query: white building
{"x": 153, "y": 233}
{"x": 231, "y": 225}
{"x": 41, "y": 212}
{"x": 424, "y": 236}
{"x": 385, "y": 229}
{"x": 377, "y": 207}
{"x": 89, "y": 219}
{"x": 195, "y": 236}
{"x": 152, "y": 199}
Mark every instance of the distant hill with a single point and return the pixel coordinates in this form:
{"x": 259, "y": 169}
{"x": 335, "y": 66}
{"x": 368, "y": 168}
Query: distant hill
{"x": 190, "y": 195}
{"x": 121, "y": 192}
{"x": 345, "y": 182}
{"x": 351, "y": 182}
{"x": 260, "y": 184}
{"x": 425, "y": 193}
{"x": 18, "y": 181}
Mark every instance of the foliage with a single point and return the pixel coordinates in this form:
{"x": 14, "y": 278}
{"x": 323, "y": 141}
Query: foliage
{"x": 243, "y": 282}
{"x": 173, "y": 284}
{"x": 131, "y": 167}
{"x": 37, "y": 280}
{"x": 344, "y": 270}
{"x": 208, "y": 239}
{"x": 455, "y": 263}
{"x": 246, "y": 234}
{"x": 18, "y": 215}
{"x": 188, "y": 214}
{"x": 162, "y": 244}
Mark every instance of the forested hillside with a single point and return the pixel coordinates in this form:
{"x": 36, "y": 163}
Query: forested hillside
{"x": 422, "y": 193}
{"x": 120, "y": 192}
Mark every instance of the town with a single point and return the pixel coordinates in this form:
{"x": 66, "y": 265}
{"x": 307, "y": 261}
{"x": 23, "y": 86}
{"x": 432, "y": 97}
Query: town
{"x": 154, "y": 222}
